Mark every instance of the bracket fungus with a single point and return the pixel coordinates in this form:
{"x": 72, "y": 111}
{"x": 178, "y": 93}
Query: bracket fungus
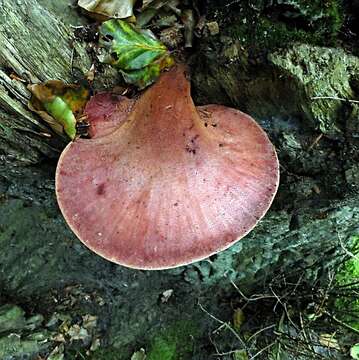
{"x": 162, "y": 183}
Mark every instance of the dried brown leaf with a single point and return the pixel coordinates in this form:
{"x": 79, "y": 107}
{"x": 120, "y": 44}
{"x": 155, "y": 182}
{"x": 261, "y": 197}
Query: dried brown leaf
{"x": 119, "y": 9}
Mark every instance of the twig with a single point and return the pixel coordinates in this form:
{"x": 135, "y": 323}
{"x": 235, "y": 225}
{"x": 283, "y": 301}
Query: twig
{"x": 264, "y": 349}
{"x": 231, "y": 3}
{"x": 284, "y": 307}
{"x": 226, "y": 325}
{"x": 304, "y": 352}
{"x": 347, "y": 326}
{"x": 334, "y": 98}
{"x": 345, "y": 249}
{"x": 77, "y": 27}
{"x": 325, "y": 295}
{"x": 315, "y": 142}
{"x": 260, "y": 331}
{"x": 226, "y": 353}
{"x": 354, "y": 283}
{"x": 219, "y": 329}
{"x": 72, "y": 60}
{"x": 299, "y": 342}
{"x": 239, "y": 291}
{"x": 254, "y": 297}
{"x": 78, "y": 353}
{"x": 214, "y": 344}
{"x": 306, "y": 337}
{"x": 297, "y": 284}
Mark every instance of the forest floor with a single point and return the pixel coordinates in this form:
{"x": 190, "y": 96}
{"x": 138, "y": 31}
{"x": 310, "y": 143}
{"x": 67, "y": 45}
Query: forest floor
{"x": 289, "y": 290}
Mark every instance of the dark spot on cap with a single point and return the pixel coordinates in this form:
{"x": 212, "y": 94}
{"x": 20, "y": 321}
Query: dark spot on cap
{"x": 101, "y": 189}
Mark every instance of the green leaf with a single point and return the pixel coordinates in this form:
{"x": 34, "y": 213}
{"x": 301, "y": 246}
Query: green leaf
{"x": 134, "y": 48}
{"x": 146, "y": 76}
{"x": 137, "y": 53}
{"x": 59, "y": 104}
{"x": 111, "y": 8}
{"x": 354, "y": 352}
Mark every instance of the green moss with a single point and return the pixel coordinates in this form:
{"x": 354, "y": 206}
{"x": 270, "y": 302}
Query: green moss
{"x": 11, "y": 318}
{"x": 171, "y": 343}
{"x": 13, "y": 346}
{"x": 108, "y": 354}
{"x": 174, "y": 343}
{"x": 349, "y": 274}
{"x": 5, "y": 131}
{"x": 266, "y": 27}
{"x": 271, "y": 34}
{"x": 163, "y": 349}
{"x": 349, "y": 271}
{"x": 318, "y": 71}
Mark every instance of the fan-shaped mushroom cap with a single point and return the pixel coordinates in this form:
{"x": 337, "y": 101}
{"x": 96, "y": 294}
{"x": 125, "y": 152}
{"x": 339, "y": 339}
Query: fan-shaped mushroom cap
{"x": 169, "y": 185}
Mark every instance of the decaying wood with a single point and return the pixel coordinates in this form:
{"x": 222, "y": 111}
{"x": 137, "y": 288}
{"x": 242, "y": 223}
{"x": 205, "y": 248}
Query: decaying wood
{"x": 34, "y": 46}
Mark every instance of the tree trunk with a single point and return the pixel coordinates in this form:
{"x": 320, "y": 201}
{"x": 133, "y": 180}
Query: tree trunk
{"x": 315, "y": 214}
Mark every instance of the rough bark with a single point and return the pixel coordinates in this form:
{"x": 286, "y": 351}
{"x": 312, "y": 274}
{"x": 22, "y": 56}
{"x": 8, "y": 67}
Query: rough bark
{"x": 35, "y": 46}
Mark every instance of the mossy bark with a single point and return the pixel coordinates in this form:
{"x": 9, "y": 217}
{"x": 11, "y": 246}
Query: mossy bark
{"x": 315, "y": 213}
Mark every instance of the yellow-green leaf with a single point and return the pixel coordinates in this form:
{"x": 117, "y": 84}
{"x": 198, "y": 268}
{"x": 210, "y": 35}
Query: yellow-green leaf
{"x": 59, "y": 104}
{"x": 148, "y": 75}
{"x": 240, "y": 355}
{"x": 328, "y": 340}
{"x": 238, "y": 319}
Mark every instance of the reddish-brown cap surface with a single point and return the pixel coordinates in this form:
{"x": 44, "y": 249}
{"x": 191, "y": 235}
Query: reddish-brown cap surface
{"x": 106, "y": 111}
{"x": 169, "y": 184}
